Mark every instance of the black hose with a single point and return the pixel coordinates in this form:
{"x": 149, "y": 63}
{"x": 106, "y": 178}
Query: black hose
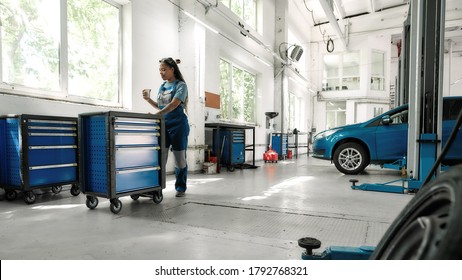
{"x": 446, "y": 148}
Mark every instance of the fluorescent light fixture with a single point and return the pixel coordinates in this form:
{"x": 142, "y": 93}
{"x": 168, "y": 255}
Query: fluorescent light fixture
{"x": 200, "y": 22}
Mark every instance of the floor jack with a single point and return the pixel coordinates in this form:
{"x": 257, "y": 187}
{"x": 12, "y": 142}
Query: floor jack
{"x": 333, "y": 252}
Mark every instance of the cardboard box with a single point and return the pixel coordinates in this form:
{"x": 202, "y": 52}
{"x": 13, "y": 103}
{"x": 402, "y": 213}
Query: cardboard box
{"x": 209, "y": 168}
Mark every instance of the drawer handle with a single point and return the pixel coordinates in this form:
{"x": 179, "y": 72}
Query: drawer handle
{"x": 52, "y": 166}
{"x": 53, "y": 134}
{"x": 52, "y": 147}
{"x": 126, "y": 171}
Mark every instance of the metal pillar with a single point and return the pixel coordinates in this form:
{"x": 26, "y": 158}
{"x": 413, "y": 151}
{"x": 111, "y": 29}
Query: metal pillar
{"x": 423, "y": 58}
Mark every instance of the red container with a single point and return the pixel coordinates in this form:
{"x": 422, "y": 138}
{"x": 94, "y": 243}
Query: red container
{"x": 270, "y": 156}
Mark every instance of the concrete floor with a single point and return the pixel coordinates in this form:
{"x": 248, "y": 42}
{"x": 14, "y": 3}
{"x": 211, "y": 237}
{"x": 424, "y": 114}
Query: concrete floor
{"x": 254, "y": 214}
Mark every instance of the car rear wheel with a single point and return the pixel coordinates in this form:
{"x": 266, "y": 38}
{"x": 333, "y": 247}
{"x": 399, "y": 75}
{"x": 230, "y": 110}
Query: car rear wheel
{"x": 351, "y": 158}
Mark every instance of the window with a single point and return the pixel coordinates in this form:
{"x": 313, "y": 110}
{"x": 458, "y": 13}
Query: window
{"x": 341, "y": 72}
{"x": 80, "y": 64}
{"x": 399, "y": 117}
{"x": 451, "y": 108}
{"x": 245, "y": 9}
{"x": 378, "y": 72}
{"x": 336, "y": 113}
{"x": 378, "y": 111}
{"x": 237, "y": 93}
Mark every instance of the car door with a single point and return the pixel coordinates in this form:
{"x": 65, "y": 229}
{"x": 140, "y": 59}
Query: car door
{"x": 391, "y": 139}
{"x": 451, "y": 109}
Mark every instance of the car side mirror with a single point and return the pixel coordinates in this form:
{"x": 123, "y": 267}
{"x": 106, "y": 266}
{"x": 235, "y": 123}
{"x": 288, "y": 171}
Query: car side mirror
{"x": 386, "y": 120}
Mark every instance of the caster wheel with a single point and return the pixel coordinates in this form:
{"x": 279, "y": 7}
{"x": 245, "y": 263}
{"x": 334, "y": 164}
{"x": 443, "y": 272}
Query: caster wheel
{"x": 231, "y": 168}
{"x": 135, "y": 196}
{"x": 10, "y": 195}
{"x": 91, "y": 202}
{"x": 157, "y": 197}
{"x": 75, "y": 191}
{"x": 56, "y": 189}
{"x": 116, "y": 205}
{"x": 29, "y": 197}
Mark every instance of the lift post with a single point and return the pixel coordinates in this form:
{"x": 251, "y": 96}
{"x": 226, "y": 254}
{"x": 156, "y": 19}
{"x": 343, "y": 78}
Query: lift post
{"x": 423, "y": 36}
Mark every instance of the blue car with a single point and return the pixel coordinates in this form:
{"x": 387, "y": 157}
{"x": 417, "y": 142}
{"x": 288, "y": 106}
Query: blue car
{"x": 381, "y": 140}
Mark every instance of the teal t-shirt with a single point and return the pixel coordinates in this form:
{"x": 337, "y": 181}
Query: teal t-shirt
{"x": 170, "y": 90}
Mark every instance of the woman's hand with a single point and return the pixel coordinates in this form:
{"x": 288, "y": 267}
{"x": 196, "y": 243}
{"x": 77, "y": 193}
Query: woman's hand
{"x": 146, "y": 94}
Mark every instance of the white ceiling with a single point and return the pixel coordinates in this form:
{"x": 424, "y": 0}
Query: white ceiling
{"x": 373, "y": 15}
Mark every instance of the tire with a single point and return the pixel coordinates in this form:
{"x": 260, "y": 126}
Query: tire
{"x": 75, "y": 190}
{"x": 135, "y": 196}
{"x": 351, "y": 158}
{"x": 91, "y": 202}
{"x": 29, "y": 197}
{"x": 56, "y": 189}
{"x": 10, "y": 195}
{"x": 157, "y": 197}
{"x": 429, "y": 226}
{"x": 116, "y": 205}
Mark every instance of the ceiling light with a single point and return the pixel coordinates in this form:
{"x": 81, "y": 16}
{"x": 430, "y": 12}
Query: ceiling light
{"x": 200, "y": 22}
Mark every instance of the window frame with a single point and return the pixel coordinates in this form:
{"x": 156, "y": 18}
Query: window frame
{"x": 227, "y": 4}
{"x": 231, "y": 90}
{"x": 63, "y": 93}
{"x": 340, "y": 77}
{"x": 374, "y": 77}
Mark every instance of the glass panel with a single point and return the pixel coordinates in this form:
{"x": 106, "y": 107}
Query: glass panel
{"x": 332, "y": 84}
{"x": 238, "y": 94}
{"x": 377, "y": 64}
{"x": 93, "y": 35}
{"x": 350, "y": 83}
{"x": 331, "y": 65}
{"x": 249, "y": 97}
{"x": 336, "y": 113}
{"x": 30, "y": 43}
{"x": 250, "y": 13}
{"x": 330, "y": 120}
{"x": 351, "y": 64}
{"x": 225, "y": 87}
{"x": 377, "y": 83}
{"x": 237, "y": 7}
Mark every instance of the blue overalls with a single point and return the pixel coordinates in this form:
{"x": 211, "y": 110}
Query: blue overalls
{"x": 176, "y": 128}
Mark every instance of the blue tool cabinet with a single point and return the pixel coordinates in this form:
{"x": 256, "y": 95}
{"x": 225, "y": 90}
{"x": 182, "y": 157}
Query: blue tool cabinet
{"x": 280, "y": 142}
{"x": 37, "y": 152}
{"x": 121, "y": 154}
{"x": 231, "y": 144}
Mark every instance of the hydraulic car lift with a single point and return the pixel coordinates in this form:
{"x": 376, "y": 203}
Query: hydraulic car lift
{"x": 421, "y": 82}
{"x": 421, "y": 86}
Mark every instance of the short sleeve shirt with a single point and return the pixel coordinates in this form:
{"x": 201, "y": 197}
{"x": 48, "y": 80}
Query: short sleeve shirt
{"x": 168, "y": 91}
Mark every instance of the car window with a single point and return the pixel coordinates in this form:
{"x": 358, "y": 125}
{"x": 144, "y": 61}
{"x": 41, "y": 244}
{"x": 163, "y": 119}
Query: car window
{"x": 451, "y": 109}
{"x": 399, "y": 117}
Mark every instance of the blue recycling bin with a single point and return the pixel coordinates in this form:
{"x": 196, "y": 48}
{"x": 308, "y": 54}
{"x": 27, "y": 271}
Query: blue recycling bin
{"x": 121, "y": 154}
{"x": 37, "y": 152}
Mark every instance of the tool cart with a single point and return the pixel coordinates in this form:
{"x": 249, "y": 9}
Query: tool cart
{"x": 231, "y": 144}
{"x": 121, "y": 155}
{"x": 37, "y": 152}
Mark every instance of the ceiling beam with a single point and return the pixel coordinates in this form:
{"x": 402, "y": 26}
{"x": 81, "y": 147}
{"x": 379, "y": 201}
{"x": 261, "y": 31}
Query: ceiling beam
{"x": 329, "y": 11}
{"x": 340, "y": 9}
{"x": 372, "y": 6}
